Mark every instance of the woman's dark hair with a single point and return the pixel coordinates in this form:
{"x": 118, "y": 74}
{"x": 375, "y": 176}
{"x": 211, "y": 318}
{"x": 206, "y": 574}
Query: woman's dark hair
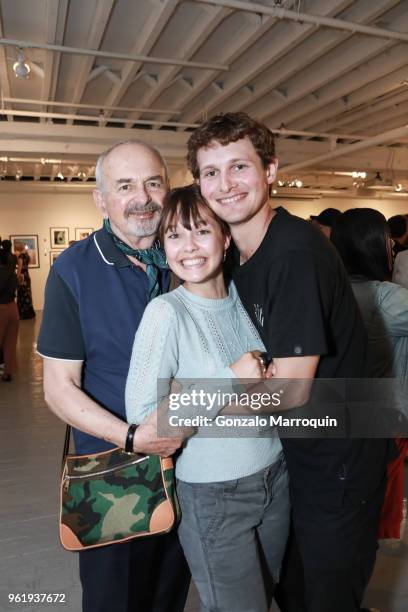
{"x": 6, "y": 246}
{"x": 397, "y": 225}
{"x": 187, "y": 205}
{"x": 360, "y": 235}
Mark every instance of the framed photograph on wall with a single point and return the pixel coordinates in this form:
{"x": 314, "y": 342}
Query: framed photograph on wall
{"x": 27, "y": 244}
{"x": 59, "y": 237}
{"x": 53, "y": 256}
{"x": 82, "y": 232}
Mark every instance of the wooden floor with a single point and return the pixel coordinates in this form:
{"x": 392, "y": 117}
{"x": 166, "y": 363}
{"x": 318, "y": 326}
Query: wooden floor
{"x": 32, "y": 560}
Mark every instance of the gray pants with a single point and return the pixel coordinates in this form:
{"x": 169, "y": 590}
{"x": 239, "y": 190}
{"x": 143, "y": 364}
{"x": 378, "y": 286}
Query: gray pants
{"x": 233, "y": 531}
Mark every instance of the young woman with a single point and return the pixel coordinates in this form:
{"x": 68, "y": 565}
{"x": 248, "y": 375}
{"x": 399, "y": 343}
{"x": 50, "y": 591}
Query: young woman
{"x": 233, "y": 491}
{"x": 362, "y": 237}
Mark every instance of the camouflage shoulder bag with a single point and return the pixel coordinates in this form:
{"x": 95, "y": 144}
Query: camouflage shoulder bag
{"x": 114, "y": 496}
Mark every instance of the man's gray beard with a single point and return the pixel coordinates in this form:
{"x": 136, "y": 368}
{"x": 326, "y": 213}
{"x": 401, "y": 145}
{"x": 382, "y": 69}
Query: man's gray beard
{"x": 144, "y": 228}
{"x": 147, "y": 227}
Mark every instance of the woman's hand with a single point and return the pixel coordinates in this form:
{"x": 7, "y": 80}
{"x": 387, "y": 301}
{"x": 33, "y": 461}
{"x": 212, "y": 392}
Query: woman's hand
{"x": 249, "y": 365}
{"x": 271, "y": 370}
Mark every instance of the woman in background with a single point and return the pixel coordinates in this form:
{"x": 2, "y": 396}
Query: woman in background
{"x": 362, "y": 237}
{"x": 24, "y": 295}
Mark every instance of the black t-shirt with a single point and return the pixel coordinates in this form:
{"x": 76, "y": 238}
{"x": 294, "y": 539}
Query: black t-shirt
{"x": 297, "y": 293}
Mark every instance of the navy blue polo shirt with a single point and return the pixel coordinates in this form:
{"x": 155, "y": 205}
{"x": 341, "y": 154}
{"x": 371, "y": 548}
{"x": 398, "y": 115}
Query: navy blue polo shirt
{"x": 94, "y": 301}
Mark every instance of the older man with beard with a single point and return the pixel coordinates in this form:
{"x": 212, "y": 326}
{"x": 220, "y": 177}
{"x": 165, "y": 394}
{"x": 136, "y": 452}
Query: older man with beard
{"x": 95, "y": 297}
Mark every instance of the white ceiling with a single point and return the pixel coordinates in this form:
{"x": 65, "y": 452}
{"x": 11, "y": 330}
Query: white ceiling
{"x": 330, "y": 76}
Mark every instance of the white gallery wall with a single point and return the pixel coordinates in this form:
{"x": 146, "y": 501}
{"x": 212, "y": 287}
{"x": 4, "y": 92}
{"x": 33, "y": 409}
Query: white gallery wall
{"x": 24, "y": 212}
{"x": 33, "y": 208}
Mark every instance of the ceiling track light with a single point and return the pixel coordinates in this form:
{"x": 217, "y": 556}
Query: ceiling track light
{"x": 82, "y": 175}
{"x": 291, "y": 183}
{"x": 20, "y": 67}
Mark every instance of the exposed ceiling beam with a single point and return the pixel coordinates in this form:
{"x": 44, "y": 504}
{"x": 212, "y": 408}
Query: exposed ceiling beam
{"x": 237, "y": 46}
{"x": 332, "y": 137}
{"x": 4, "y": 78}
{"x": 384, "y": 138}
{"x": 29, "y": 101}
{"x": 365, "y": 110}
{"x": 384, "y": 158}
{"x": 99, "y": 119}
{"x": 25, "y": 44}
{"x": 348, "y": 62}
{"x": 366, "y": 92}
{"x": 316, "y": 20}
{"x": 37, "y": 171}
{"x": 282, "y": 131}
{"x": 379, "y": 120}
{"x": 72, "y": 171}
{"x": 281, "y": 39}
{"x": 360, "y": 63}
{"x": 99, "y": 23}
{"x": 388, "y": 123}
{"x": 54, "y": 171}
{"x": 303, "y": 55}
{"x": 204, "y": 26}
{"x": 65, "y": 144}
{"x": 56, "y": 19}
{"x": 144, "y": 44}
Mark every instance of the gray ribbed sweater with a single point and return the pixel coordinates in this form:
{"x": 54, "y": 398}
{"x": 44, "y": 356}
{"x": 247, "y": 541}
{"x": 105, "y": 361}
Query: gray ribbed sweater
{"x": 185, "y": 336}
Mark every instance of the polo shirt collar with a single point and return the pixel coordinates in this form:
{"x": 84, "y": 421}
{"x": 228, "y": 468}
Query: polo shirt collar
{"x": 109, "y": 252}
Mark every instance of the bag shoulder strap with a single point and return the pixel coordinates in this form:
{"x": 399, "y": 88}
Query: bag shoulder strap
{"x": 66, "y": 445}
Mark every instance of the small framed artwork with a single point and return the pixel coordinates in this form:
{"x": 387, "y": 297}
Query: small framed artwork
{"x": 83, "y": 232}
{"x": 59, "y": 237}
{"x": 53, "y": 256}
{"x": 27, "y": 244}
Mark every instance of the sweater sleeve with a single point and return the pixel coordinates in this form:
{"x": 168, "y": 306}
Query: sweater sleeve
{"x": 154, "y": 356}
{"x": 400, "y": 271}
{"x": 393, "y": 301}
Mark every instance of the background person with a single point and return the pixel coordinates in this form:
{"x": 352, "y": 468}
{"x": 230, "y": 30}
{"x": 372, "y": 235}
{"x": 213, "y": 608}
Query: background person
{"x": 398, "y": 225}
{"x": 233, "y": 491}
{"x": 9, "y": 320}
{"x": 24, "y": 295}
{"x": 325, "y": 220}
{"x": 362, "y": 237}
{"x": 11, "y": 257}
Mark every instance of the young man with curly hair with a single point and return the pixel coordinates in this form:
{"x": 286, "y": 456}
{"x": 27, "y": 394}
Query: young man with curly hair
{"x": 296, "y": 291}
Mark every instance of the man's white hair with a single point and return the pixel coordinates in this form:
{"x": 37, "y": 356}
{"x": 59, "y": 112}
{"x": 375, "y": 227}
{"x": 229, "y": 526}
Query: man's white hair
{"x": 105, "y": 154}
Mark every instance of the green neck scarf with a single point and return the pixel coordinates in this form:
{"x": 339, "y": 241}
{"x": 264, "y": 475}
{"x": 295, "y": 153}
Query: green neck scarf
{"x": 154, "y": 258}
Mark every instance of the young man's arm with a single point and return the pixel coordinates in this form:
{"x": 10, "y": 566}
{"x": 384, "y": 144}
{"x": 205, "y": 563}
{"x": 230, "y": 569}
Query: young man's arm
{"x": 296, "y": 367}
{"x": 292, "y": 380}
{"x": 63, "y": 394}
